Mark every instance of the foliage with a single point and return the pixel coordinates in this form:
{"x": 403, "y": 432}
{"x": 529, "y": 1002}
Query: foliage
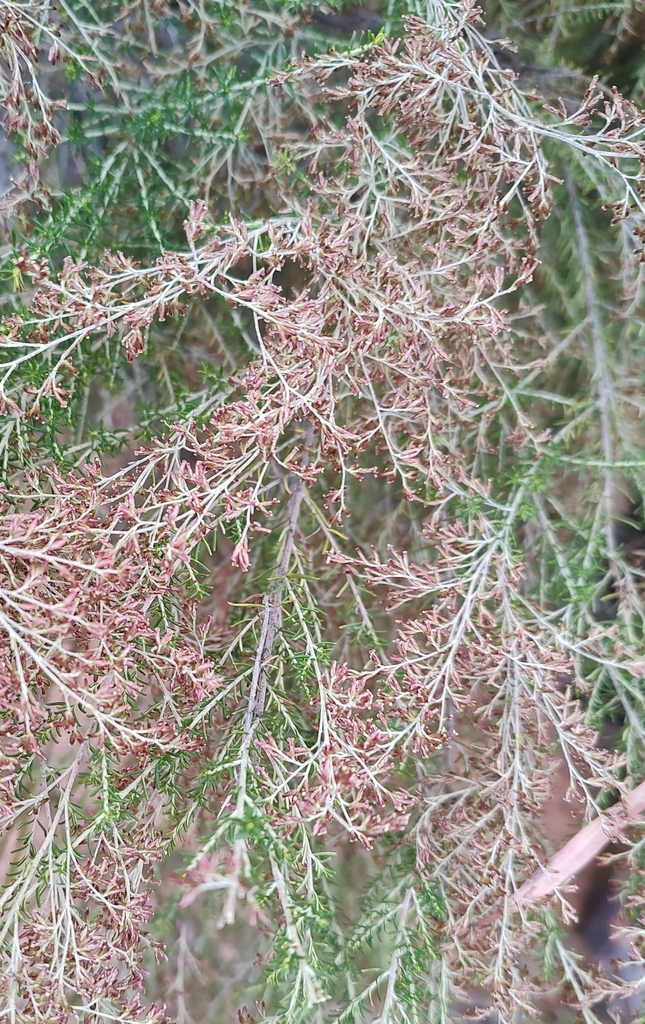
{"x": 321, "y": 449}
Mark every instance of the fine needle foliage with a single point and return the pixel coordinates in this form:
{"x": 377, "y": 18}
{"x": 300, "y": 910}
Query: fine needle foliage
{"x": 321, "y": 377}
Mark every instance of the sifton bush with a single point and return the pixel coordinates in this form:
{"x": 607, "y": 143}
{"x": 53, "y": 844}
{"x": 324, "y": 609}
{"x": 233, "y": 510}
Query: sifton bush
{"x": 321, "y": 444}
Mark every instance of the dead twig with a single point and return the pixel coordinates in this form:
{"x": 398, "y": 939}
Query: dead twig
{"x": 582, "y": 848}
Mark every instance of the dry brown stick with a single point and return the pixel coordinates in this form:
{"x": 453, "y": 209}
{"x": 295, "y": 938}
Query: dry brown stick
{"x": 579, "y": 851}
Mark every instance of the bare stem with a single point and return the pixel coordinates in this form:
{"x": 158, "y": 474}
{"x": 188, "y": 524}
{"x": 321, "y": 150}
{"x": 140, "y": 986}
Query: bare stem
{"x": 581, "y": 850}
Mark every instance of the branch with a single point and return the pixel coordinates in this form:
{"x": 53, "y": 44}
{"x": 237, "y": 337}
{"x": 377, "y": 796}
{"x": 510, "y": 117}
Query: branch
{"x": 581, "y": 850}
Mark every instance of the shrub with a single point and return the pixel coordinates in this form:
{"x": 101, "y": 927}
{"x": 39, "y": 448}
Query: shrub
{"x": 321, "y": 382}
